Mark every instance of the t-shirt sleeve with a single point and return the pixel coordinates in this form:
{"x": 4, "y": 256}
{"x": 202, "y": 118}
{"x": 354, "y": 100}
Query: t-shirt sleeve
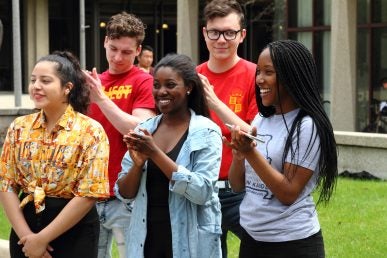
{"x": 308, "y": 151}
{"x": 143, "y": 96}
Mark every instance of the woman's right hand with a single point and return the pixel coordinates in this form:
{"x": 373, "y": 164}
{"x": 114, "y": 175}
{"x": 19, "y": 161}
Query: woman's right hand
{"x": 137, "y": 157}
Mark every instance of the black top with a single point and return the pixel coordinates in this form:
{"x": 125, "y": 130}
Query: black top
{"x": 157, "y": 187}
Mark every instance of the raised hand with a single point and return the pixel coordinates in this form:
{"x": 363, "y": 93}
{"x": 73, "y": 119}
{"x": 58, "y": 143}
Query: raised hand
{"x": 140, "y": 145}
{"x": 96, "y": 90}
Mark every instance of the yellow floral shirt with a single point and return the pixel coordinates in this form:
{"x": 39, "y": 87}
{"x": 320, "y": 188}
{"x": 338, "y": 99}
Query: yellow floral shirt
{"x": 70, "y": 161}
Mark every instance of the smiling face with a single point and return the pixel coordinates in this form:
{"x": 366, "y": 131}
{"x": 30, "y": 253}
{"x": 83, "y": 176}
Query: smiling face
{"x": 121, "y": 53}
{"x": 45, "y": 88}
{"x": 267, "y": 82}
{"x": 170, "y": 92}
{"x": 221, "y": 48}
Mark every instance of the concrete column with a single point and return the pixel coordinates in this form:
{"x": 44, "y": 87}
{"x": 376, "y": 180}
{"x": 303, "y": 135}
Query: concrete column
{"x": 16, "y": 53}
{"x": 30, "y": 42}
{"x": 42, "y": 30}
{"x": 343, "y": 65}
{"x": 37, "y": 33}
{"x": 187, "y": 28}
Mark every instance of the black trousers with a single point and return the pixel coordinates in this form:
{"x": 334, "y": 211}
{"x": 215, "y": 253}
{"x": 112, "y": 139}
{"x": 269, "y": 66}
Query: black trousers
{"x": 79, "y": 241}
{"x": 310, "y": 247}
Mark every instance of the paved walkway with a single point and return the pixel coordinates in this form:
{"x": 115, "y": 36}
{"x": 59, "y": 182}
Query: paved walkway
{"x": 8, "y": 101}
{"x": 4, "y": 250}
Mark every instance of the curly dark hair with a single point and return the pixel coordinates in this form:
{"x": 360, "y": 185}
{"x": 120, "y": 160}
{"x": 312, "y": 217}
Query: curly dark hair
{"x": 185, "y": 67}
{"x": 126, "y": 25}
{"x": 296, "y": 71}
{"x": 68, "y": 70}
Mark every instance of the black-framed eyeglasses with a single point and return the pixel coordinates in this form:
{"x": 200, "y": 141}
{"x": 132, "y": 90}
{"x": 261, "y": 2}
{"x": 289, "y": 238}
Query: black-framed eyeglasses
{"x": 227, "y": 34}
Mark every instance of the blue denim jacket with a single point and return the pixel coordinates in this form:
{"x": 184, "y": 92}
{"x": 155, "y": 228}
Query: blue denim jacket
{"x": 193, "y": 200}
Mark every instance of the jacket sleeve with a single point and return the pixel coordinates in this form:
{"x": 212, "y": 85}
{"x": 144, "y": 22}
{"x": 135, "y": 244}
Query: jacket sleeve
{"x": 125, "y": 165}
{"x": 196, "y": 180}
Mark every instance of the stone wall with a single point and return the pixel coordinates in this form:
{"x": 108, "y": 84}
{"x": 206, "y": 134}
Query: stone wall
{"x": 6, "y": 118}
{"x": 362, "y": 152}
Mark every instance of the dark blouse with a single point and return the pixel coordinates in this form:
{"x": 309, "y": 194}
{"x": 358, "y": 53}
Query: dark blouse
{"x": 157, "y": 187}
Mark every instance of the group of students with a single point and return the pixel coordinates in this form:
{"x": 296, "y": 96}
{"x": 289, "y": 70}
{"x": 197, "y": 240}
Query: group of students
{"x": 151, "y": 161}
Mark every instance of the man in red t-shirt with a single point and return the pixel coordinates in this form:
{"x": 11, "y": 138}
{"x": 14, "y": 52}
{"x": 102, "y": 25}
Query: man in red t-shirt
{"x": 121, "y": 98}
{"x": 230, "y": 88}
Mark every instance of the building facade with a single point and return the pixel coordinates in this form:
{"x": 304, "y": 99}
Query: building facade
{"x": 348, "y": 39}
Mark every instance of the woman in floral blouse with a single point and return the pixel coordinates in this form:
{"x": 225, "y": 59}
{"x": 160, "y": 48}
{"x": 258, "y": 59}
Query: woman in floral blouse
{"x": 53, "y": 166}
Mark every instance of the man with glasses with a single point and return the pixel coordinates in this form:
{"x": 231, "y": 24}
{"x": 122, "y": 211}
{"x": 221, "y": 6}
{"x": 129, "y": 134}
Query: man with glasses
{"x": 230, "y": 81}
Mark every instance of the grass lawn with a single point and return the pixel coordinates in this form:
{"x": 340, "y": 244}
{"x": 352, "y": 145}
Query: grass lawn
{"x": 354, "y": 223}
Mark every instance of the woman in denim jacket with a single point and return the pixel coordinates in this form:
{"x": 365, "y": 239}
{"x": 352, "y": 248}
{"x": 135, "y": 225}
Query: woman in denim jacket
{"x": 171, "y": 168}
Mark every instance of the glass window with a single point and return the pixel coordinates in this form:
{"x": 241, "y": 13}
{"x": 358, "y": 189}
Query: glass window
{"x": 304, "y": 7}
{"x": 371, "y": 65}
{"x": 379, "y": 11}
{"x": 323, "y": 60}
{"x": 309, "y": 23}
{"x": 306, "y": 38}
{"x": 362, "y": 11}
{"x": 279, "y": 20}
{"x": 323, "y": 12}
{"x": 362, "y": 82}
{"x": 379, "y": 64}
{"x": 300, "y": 13}
{"x": 6, "y": 71}
{"x": 63, "y": 17}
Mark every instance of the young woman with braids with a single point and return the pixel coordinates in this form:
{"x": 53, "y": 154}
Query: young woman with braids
{"x": 298, "y": 155}
{"x": 53, "y": 166}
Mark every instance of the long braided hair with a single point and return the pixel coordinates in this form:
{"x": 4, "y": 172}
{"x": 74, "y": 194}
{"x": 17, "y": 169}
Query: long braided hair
{"x": 296, "y": 71}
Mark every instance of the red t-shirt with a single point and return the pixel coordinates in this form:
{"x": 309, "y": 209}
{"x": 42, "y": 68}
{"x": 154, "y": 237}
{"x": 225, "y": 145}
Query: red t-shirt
{"x": 236, "y": 88}
{"x": 128, "y": 91}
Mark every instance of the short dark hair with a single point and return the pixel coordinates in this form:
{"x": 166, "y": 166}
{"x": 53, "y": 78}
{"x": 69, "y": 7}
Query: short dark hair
{"x": 146, "y": 47}
{"x": 185, "y": 67}
{"x": 222, "y": 8}
{"x": 126, "y": 25}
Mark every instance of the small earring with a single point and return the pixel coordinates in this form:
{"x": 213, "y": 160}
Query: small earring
{"x": 188, "y": 92}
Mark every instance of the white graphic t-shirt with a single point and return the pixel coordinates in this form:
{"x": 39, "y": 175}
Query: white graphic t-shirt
{"x": 262, "y": 215}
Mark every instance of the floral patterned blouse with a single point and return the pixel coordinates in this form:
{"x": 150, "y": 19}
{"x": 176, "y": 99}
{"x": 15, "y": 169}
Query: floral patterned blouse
{"x": 70, "y": 161}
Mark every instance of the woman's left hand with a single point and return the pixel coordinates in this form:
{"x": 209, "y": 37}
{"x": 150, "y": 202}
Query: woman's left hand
{"x": 34, "y": 246}
{"x": 142, "y": 143}
{"x": 239, "y": 142}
